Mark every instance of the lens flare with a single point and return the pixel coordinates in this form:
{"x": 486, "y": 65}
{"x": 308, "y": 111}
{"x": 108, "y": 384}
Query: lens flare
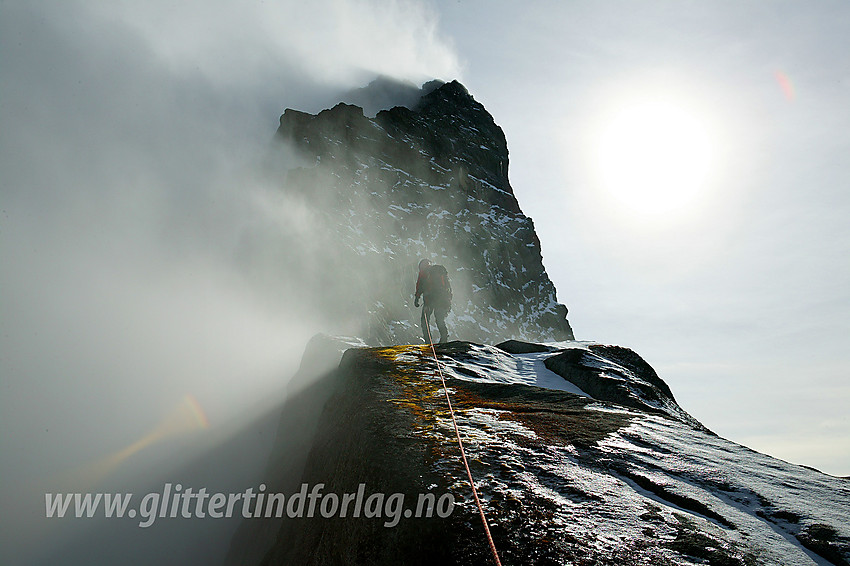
{"x": 786, "y": 85}
{"x": 191, "y": 403}
{"x": 187, "y": 416}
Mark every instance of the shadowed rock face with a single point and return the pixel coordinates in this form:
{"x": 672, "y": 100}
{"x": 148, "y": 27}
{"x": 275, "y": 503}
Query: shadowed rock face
{"x": 564, "y": 478}
{"x": 381, "y": 193}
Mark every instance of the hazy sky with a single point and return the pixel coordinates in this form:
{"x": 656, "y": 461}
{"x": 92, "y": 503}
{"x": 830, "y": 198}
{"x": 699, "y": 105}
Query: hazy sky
{"x": 128, "y": 130}
{"x": 740, "y": 298}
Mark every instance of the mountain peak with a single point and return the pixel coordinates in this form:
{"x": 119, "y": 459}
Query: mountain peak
{"x": 451, "y": 91}
{"x": 386, "y": 92}
{"x": 459, "y": 132}
{"x": 431, "y": 181}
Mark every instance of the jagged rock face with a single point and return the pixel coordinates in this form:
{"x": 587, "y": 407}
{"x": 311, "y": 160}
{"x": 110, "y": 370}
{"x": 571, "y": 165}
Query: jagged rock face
{"x": 565, "y": 478}
{"x": 407, "y": 184}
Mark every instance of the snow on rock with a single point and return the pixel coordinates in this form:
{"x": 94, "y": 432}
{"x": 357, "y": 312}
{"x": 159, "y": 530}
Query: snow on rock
{"x": 564, "y": 477}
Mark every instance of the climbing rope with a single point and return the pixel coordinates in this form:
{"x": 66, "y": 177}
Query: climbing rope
{"x": 460, "y": 443}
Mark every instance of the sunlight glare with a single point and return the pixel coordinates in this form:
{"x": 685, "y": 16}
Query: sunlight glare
{"x": 653, "y": 157}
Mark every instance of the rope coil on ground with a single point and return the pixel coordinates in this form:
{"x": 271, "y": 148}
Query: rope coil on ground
{"x": 460, "y": 443}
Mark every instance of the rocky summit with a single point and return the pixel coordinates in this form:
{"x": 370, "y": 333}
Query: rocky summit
{"x": 429, "y": 181}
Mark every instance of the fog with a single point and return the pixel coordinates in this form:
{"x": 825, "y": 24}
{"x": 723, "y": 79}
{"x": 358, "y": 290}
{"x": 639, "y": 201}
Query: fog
{"x": 131, "y": 137}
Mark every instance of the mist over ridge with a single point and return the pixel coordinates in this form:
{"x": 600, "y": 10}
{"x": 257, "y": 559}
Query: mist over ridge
{"x": 130, "y": 143}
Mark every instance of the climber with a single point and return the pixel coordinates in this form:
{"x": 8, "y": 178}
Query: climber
{"x": 436, "y": 292}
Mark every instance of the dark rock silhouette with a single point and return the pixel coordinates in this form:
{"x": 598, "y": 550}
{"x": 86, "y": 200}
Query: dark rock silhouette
{"x": 385, "y": 93}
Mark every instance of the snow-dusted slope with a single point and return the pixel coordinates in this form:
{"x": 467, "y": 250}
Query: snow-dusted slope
{"x": 657, "y": 474}
{"x": 566, "y": 478}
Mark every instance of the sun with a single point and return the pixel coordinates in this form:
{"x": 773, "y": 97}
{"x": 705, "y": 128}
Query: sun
{"x": 652, "y": 156}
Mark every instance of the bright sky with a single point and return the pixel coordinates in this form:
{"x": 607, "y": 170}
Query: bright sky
{"x": 685, "y": 165}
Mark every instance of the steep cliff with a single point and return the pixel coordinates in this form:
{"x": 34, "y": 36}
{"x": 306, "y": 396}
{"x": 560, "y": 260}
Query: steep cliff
{"x": 380, "y": 193}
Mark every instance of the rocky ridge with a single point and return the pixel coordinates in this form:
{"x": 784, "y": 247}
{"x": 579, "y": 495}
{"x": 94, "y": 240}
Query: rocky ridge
{"x": 565, "y": 477}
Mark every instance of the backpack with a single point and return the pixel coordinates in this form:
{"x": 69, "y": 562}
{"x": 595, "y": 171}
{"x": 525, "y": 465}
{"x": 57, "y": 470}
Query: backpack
{"x": 437, "y": 288}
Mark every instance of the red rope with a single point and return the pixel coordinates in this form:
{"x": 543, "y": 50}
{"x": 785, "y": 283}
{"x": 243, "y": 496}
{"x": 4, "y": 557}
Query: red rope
{"x": 460, "y": 443}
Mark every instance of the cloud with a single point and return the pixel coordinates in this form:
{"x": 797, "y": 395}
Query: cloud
{"x": 131, "y": 136}
{"x": 332, "y": 41}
